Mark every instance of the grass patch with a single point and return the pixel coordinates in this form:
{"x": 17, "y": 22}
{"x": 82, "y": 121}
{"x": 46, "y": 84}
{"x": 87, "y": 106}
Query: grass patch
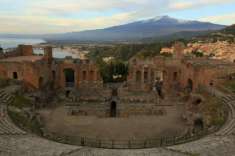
{"x": 21, "y": 102}
{"x": 230, "y": 85}
{"x": 213, "y": 110}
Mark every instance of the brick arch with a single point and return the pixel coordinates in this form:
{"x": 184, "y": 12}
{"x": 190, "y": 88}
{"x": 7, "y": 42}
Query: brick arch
{"x": 40, "y": 82}
{"x": 190, "y": 84}
{"x": 91, "y": 75}
{"x": 69, "y": 75}
{"x": 138, "y": 76}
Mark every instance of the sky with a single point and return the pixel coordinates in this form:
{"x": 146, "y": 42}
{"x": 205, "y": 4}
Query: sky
{"x": 58, "y": 16}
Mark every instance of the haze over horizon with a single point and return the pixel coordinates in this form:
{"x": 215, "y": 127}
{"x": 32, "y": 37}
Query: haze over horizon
{"x": 51, "y": 16}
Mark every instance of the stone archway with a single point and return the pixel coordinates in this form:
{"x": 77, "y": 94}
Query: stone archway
{"x": 113, "y": 109}
{"x": 198, "y": 124}
{"x": 40, "y": 82}
{"x": 15, "y": 75}
{"x": 175, "y": 76}
{"x": 69, "y": 77}
{"x": 53, "y": 74}
{"x": 190, "y": 85}
{"x": 91, "y": 75}
{"x": 138, "y": 76}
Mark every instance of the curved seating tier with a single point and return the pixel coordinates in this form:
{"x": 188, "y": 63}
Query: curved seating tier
{"x": 229, "y": 127}
{"x": 6, "y": 125}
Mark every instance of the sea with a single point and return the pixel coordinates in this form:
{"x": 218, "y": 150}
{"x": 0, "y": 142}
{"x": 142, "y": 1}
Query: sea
{"x": 7, "y": 43}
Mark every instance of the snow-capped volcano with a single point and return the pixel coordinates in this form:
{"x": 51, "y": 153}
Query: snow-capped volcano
{"x": 154, "y": 27}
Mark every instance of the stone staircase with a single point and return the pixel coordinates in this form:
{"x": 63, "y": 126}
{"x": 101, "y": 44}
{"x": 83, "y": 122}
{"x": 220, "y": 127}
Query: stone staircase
{"x": 229, "y": 127}
{"x": 6, "y": 125}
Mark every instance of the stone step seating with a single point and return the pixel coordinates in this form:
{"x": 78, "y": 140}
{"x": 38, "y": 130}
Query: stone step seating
{"x": 229, "y": 126}
{"x": 5, "y": 98}
{"x": 8, "y": 128}
{"x": 33, "y": 146}
{"x": 6, "y": 125}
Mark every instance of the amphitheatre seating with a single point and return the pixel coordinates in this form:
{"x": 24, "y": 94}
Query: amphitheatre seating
{"x": 14, "y": 141}
{"x": 22, "y": 145}
{"x": 229, "y": 127}
{"x": 13, "y": 144}
{"x": 6, "y": 126}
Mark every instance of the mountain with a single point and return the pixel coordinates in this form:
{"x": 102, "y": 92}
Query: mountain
{"x": 225, "y": 34}
{"x": 229, "y": 30}
{"x": 151, "y": 28}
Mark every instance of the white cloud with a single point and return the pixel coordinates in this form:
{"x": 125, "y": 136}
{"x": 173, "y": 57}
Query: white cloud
{"x": 42, "y": 24}
{"x": 52, "y": 16}
{"x": 186, "y": 4}
{"x": 223, "y": 19}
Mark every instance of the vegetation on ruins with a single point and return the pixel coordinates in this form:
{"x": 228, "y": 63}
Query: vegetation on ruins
{"x": 213, "y": 111}
{"x": 113, "y": 71}
{"x": 230, "y": 85}
{"x": 21, "y": 102}
{"x": 198, "y": 53}
{"x": 26, "y": 120}
{"x": 124, "y": 52}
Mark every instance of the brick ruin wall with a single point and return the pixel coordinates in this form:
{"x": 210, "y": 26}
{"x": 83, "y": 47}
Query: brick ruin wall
{"x": 33, "y": 75}
{"x": 21, "y": 50}
{"x": 36, "y": 74}
{"x": 85, "y": 74}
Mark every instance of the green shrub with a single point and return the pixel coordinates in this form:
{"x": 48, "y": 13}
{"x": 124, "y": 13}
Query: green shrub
{"x": 230, "y": 85}
{"x": 198, "y": 54}
{"x": 21, "y": 102}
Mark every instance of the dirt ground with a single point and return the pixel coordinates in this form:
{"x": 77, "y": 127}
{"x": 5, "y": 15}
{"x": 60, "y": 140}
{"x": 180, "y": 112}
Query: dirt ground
{"x": 136, "y": 127}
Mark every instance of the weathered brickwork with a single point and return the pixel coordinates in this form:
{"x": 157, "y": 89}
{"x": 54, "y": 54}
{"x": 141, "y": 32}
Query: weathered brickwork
{"x": 80, "y": 80}
{"x": 38, "y": 71}
{"x": 177, "y": 71}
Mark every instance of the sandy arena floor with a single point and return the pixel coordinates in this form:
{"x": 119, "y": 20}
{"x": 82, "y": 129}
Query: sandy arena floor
{"x": 136, "y": 127}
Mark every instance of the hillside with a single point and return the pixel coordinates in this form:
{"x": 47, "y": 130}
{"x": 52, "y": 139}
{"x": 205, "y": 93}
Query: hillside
{"x": 152, "y": 28}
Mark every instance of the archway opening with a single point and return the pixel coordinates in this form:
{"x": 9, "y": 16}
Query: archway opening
{"x": 190, "y": 85}
{"x": 67, "y": 93}
{"x": 113, "y": 109}
{"x": 145, "y": 76}
{"x": 40, "y": 82}
{"x": 138, "y": 76}
{"x": 15, "y": 75}
{"x": 84, "y": 75}
{"x": 69, "y": 77}
{"x": 198, "y": 124}
{"x": 53, "y": 75}
{"x": 175, "y": 76}
{"x": 197, "y": 102}
{"x": 91, "y": 75}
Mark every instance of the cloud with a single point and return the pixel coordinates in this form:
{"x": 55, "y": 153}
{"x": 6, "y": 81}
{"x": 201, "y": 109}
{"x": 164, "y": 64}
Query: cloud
{"x": 182, "y": 5}
{"x": 52, "y": 16}
{"x": 223, "y": 19}
{"x": 42, "y": 24}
